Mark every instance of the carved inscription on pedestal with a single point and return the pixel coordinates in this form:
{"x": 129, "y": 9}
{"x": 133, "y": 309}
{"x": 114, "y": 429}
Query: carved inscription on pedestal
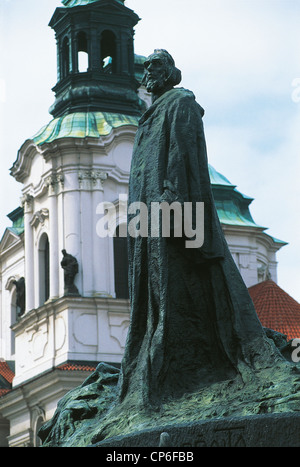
{"x": 219, "y": 437}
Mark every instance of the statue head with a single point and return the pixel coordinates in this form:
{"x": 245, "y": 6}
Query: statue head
{"x": 161, "y": 73}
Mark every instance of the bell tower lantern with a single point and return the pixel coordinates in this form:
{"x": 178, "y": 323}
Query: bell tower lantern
{"x": 95, "y": 58}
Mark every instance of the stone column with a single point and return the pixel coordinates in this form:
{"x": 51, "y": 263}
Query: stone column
{"x": 53, "y": 238}
{"x": 94, "y": 51}
{"x": 100, "y": 245}
{"x": 27, "y": 202}
{"x": 87, "y": 256}
{"x": 119, "y": 58}
{"x": 74, "y": 53}
{"x": 71, "y": 221}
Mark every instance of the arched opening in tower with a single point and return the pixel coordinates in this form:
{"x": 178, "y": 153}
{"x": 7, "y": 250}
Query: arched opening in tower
{"x": 108, "y": 52}
{"x": 83, "y": 56}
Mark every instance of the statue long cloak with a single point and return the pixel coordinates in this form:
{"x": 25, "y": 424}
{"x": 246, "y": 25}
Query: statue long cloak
{"x": 192, "y": 320}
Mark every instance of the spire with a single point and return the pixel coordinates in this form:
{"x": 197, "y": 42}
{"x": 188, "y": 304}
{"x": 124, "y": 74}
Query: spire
{"x": 95, "y": 67}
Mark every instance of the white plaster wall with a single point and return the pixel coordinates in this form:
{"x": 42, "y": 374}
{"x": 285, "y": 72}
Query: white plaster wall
{"x": 81, "y": 329}
{"x": 12, "y": 267}
{"x": 251, "y": 249}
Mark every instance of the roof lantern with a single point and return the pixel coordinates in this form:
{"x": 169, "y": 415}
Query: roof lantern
{"x": 95, "y": 58}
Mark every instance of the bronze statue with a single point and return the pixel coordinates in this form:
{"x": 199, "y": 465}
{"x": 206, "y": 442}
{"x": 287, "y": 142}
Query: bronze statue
{"x": 70, "y": 266}
{"x": 20, "y": 302}
{"x": 195, "y": 347}
{"x": 192, "y": 320}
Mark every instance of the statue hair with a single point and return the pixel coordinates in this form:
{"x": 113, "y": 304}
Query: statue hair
{"x": 173, "y": 74}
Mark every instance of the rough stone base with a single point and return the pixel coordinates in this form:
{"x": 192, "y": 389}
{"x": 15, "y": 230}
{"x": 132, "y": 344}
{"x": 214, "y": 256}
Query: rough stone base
{"x": 271, "y": 430}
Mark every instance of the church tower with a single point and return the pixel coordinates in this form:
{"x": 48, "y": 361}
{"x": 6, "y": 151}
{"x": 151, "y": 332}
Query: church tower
{"x": 73, "y": 172}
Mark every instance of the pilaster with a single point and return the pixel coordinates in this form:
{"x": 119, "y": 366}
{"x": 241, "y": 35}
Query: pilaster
{"x": 27, "y": 202}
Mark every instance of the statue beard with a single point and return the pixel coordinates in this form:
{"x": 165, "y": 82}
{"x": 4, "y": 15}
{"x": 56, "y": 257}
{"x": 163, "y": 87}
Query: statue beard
{"x": 155, "y": 85}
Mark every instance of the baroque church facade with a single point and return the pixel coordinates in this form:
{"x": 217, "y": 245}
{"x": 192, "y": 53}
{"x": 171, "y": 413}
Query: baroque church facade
{"x": 72, "y": 172}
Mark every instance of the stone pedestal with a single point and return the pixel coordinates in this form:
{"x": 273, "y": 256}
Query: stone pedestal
{"x": 271, "y": 430}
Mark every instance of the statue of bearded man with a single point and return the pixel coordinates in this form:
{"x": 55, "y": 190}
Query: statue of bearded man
{"x": 193, "y": 325}
{"x": 192, "y": 320}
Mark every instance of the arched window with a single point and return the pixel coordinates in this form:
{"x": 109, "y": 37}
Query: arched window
{"x": 65, "y": 65}
{"x": 39, "y": 423}
{"x": 44, "y": 269}
{"x": 83, "y": 56}
{"x": 108, "y": 52}
{"x": 121, "y": 266}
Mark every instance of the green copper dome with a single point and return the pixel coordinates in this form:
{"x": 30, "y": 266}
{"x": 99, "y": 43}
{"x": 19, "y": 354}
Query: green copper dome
{"x": 83, "y": 125}
{"x": 218, "y": 179}
{"x": 72, "y": 3}
{"x": 232, "y": 206}
{"x": 17, "y": 218}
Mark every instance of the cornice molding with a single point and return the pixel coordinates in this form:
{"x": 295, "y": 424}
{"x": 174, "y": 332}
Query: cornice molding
{"x": 22, "y": 166}
{"x": 67, "y": 145}
{"x": 259, "y": 234}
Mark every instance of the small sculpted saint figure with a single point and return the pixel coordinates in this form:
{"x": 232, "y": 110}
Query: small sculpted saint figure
{"x": 20, "y": 292}
{"x": 70, "y": 266}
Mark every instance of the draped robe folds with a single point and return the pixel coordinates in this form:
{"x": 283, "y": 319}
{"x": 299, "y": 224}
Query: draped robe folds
{"x": 192, "y": 320}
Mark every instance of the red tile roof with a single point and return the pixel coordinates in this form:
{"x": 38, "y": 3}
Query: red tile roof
{"x": 276, "y": 309}
{"x": 6, "y": 372}
{"x": 76, "y": 367}
{"x": 4, "y": 391}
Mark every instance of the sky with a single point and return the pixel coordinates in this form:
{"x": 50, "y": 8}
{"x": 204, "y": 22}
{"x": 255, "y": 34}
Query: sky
{"x": 241, "y": 58}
